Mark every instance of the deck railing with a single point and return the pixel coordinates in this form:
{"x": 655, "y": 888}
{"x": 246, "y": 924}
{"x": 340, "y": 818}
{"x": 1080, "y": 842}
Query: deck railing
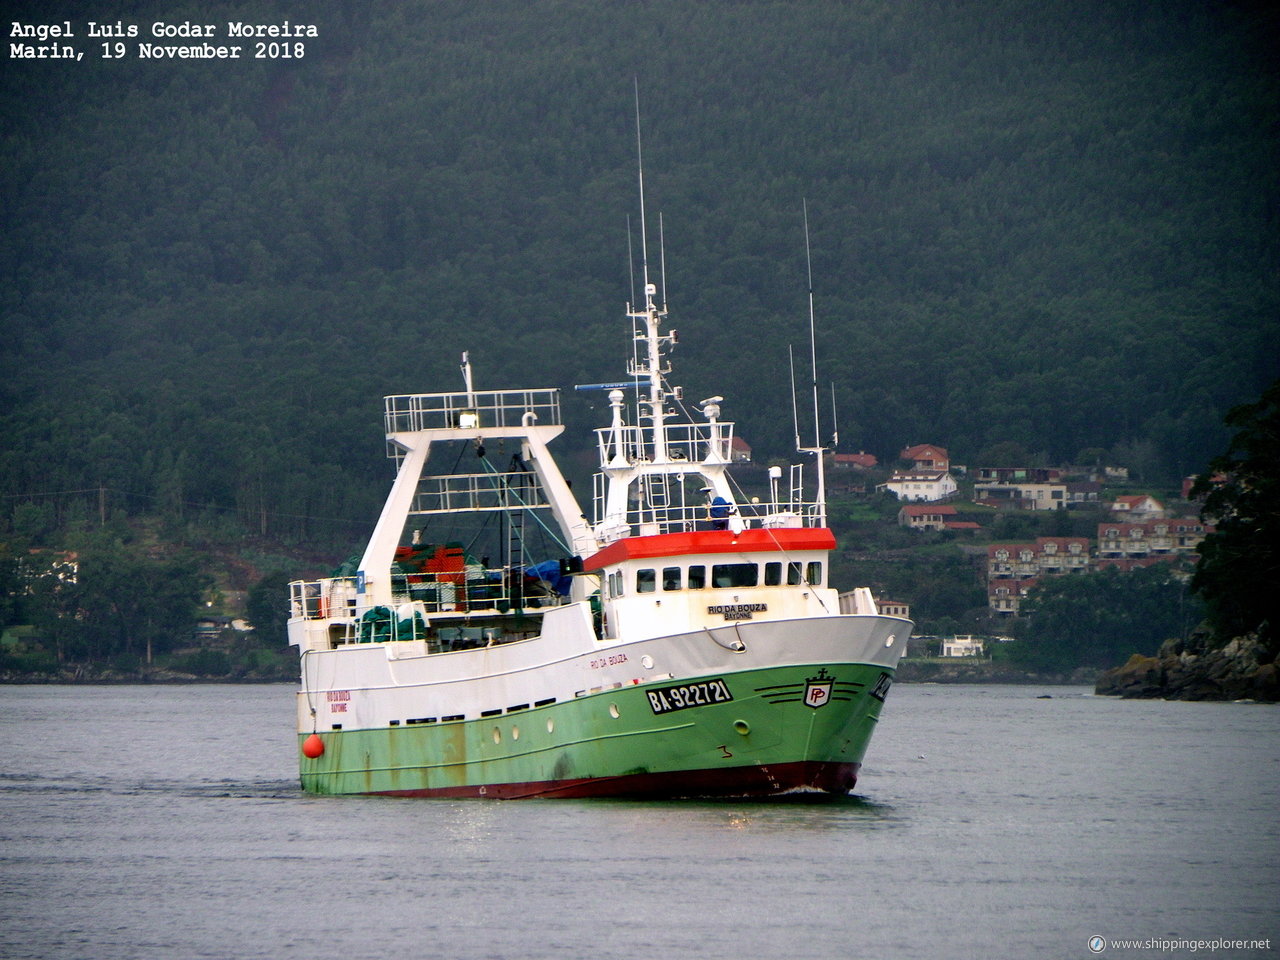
{"x": 407, "y": 413}
{"x": 685, "y": 442}
{"x": 456, "y": 592}
{"x": 667, "y": 506}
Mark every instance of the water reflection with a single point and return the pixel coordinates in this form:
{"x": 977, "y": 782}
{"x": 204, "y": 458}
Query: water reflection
{"x": 801, "y": 813}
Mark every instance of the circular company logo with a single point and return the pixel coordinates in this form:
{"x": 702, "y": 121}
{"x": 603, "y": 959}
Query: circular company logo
{"x": 1097, "y": 944}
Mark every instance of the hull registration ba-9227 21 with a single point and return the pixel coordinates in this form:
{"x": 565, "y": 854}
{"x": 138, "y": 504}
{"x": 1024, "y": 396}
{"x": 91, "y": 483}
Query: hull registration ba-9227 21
{"x": 686, "y": 695}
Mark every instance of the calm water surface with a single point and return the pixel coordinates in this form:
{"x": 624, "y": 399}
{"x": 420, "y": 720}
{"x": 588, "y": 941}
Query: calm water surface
{"x": 166, "y": 822}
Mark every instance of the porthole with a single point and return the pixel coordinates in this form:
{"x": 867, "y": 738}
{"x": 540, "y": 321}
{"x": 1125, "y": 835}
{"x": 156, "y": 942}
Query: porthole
{"x": 551, "y": 726}
{"x": 613, "y": 710}
{"x": 497, "y": 735}
{"x": 515, "y": 733}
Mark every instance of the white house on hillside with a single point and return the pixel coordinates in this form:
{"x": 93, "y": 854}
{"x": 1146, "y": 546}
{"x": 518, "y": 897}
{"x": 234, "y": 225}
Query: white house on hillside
{"x": 1141, "y": 507}
{"x": 927, "y": 487}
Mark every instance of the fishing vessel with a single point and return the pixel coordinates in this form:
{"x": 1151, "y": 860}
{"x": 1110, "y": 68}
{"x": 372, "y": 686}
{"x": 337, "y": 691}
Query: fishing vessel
{"x": 683, "y": 642}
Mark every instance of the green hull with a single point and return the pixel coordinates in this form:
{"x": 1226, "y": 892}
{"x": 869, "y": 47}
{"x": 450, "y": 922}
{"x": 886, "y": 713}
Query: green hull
{"x": 784, "y": 729}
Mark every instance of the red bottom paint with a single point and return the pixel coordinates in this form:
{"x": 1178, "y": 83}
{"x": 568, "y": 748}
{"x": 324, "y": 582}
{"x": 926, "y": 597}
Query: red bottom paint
{"x": 745, "y": 782}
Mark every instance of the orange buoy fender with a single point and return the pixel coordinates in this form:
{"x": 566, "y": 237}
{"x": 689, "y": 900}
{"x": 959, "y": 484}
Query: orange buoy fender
{"x": 312, "y": 747}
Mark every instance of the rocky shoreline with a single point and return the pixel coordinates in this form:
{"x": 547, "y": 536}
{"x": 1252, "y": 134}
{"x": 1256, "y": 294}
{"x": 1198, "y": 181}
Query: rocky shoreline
{"x": 1192, "y": 670}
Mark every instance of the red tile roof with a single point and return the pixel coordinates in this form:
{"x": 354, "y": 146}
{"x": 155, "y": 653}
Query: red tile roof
{"x": 857, "y": 459}
{"x": 928, "y": 509}
{"x": 924, "y": 451}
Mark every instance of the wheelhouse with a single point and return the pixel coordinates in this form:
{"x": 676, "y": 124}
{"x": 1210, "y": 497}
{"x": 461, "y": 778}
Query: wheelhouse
{"x": 659, "y": 585}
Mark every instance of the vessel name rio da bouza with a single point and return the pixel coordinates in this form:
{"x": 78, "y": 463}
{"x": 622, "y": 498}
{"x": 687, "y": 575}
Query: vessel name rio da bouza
{"x": 684, "y": 643}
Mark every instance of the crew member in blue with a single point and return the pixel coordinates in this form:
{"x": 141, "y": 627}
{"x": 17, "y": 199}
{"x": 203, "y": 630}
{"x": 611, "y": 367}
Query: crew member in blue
{"x": 718, "y": 509}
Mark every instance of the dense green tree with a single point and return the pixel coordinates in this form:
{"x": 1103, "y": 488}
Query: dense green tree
{"x": 55, "y": 608}
{"x": 1098, "y": 619}
{"x": 118, "y": 600}
{"x": 11, "y": 586}
{"x": 1238, "y": 574}
{"x": 1008, "y": 454}
{"x": 267, "y": 609}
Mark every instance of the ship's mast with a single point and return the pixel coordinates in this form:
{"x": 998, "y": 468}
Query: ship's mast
{"x": 813, "y": 340}
{"x": 646, "y": 466}
{"x": 818, "y": 450}
{"x": 650, "y": 367}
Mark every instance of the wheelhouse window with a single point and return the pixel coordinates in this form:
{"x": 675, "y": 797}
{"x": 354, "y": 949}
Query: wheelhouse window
{"x": 671, "y": 578}
{"x": 795, "y": 576}
{"x": 646, "y": 581}
{"x": 697, "y": 577}
{"x": 735, "y": 575}
{"x": 772, "y": 574}
{"x": 814, "y": 574}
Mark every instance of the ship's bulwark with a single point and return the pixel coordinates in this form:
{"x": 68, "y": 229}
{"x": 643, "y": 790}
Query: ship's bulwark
{"x": 786, "y": 729}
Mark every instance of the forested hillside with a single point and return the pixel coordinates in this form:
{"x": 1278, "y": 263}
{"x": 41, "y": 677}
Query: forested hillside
{"x": 1047, "y": 224}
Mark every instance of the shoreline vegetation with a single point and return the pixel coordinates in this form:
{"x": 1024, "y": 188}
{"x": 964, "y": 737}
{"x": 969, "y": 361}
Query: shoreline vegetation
{"x": 92, "y": 674}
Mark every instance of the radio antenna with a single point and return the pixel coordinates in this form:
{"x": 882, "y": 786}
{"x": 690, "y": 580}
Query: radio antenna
{"x": 631, "y": 262}
{"x": 835, "y": 426}
{"x": 813, "y": 348}
{"x": 795, "y": 416}
{"x": 662, "y": 256}
{"x": 644, "y": 239}
{"x": 817, "y": 449}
